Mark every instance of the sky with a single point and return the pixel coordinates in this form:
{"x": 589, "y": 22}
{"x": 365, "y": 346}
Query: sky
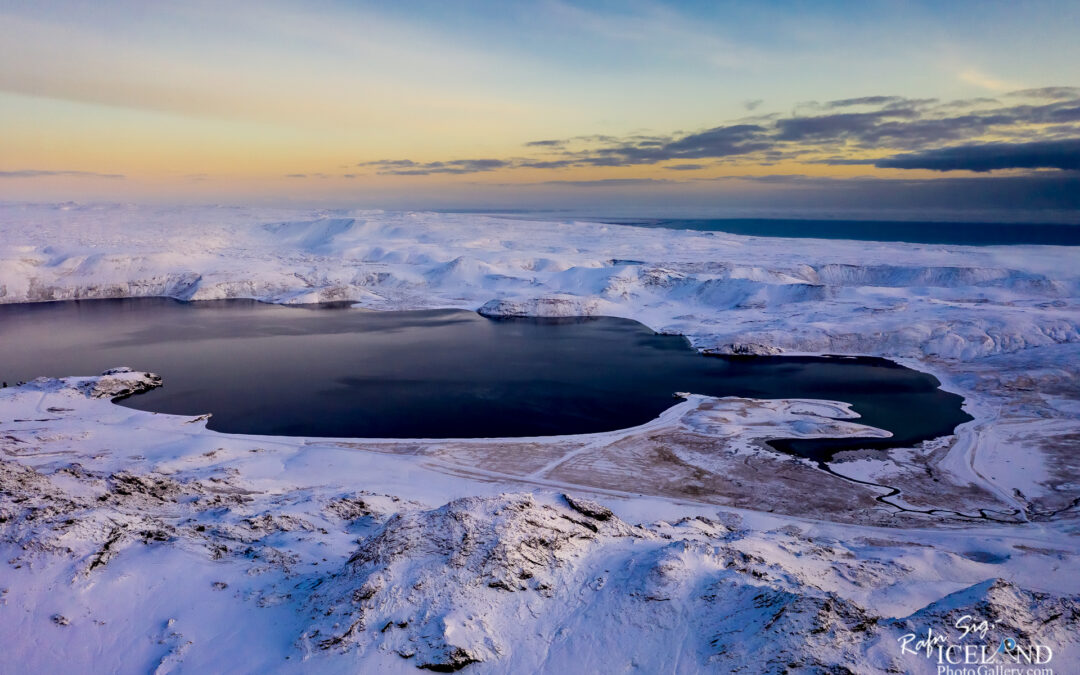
{"x": 629, "y": 107}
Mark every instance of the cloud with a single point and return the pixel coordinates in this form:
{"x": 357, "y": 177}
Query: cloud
{"x": 898, "y": 122}
{"x": 753, "y": 104}
{"x": 245, "y": 54}
{"x": 865, "y": 100}
{"x": 737, "y": 139}
{"x": 654, "y": 29}
{"x": 1061, "y": 154}
{"x": 906, "y": 124}
{"x": 407, "y": 167}
{"x": 790, "y": 179}
{"x": 595, "y": 138}
{"x": 837, "y": 126}
{"x": 723, "y": 141}
{"x": 609, "y": 182}
{"x": 843, "y": 131}
{"x": 969, "y": 102}
{"x": 546, "y": 164}
{"x": 1049, "y": 93}
{"x": 390, "y": 163}
{"x": 37, "y": 173}
{"x": 980, "y": 79}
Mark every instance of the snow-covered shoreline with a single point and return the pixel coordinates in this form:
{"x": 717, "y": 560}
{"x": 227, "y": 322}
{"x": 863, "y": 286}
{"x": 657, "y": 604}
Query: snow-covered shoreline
{"x": 102, "y": 506}
{"x": 852, "y": 297}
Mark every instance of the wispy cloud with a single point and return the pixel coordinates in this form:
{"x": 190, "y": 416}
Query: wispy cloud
{"x": 39, "y": 173}
{"x": 867, "y": 100}
{"x": 980, "y": 79}
{"x": 125, "y": 55}
{"x": 609, "y": 182}
{"x": 1049, "y": 93}
{"x": 657, "y": 28}
{"x": 407, "y": 167}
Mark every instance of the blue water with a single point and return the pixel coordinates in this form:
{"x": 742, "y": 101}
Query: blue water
{"x": 968, "y": 234}
{"x": 339, "y": 372}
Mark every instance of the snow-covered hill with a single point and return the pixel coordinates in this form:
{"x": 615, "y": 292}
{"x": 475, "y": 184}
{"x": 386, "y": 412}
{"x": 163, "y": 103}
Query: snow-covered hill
{"x": 140, "y": 542}
{"x": 137, "y": 542}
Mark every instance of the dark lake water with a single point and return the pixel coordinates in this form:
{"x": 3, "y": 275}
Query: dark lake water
{"x": 341, "y": 372}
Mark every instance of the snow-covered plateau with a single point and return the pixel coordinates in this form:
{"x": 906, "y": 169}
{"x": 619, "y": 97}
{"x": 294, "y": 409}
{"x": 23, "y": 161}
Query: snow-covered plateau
{"x": 136, "y": 542}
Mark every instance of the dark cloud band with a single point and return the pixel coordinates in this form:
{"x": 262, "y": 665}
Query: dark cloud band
{"x": 1063, "y": 154}
{"x": 925, "y": 131}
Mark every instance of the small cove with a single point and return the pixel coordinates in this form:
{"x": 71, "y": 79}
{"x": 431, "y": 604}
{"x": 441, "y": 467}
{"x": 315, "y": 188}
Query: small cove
{"x": 333, "y": 371}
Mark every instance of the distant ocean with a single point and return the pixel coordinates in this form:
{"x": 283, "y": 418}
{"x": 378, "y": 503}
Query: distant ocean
{"x": 968, "y": 234}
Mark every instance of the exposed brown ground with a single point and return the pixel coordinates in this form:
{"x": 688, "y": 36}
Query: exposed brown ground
{"x": 713, "y": 452}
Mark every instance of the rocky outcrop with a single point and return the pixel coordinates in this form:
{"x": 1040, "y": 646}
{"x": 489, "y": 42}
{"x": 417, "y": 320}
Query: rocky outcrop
{"x": 1027, "y": 617}
{"x": 744, "y": 349}
{"x": 588, "y": 508}
{"x": 408, "y": 584}
{"x": 548, "y": 306}
{"x": 115, "y": 383}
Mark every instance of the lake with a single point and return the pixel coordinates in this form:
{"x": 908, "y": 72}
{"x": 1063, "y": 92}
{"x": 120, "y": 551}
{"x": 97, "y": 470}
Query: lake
{"x": 334, "y": 371}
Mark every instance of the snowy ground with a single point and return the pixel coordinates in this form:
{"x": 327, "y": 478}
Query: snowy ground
{"x": 137, "y": 541}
